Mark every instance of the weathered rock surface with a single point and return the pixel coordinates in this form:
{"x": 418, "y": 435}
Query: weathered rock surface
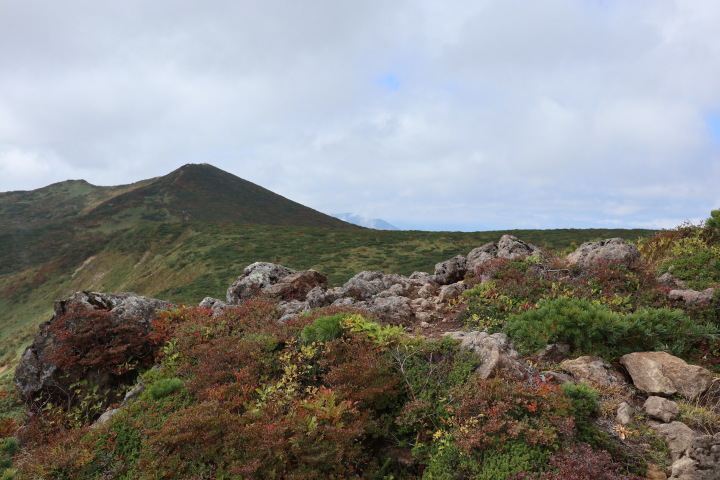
{"x": 449, "y": 292}
{"x": 613, "y": 250}
{"x": 625, "y": 413}
{"x": 508, "y": 247}
{"x": 668, "y": 280}
{"x": 214, "y": 304}
{"x": 701, "y": 460}
{"x": 692, "y": 297}
{"x": 38, "y": 374}
{"x": 695, "y": 457}
{"x": 592, "y": 370}
{"x": 496, "y": 354}
{"x": 659, "y": 373}
{"x": 678, "y": 436}
{"x": 451, "y": 271}
{"x": 297, "y": 285}
{"x": 255, "y": 277}
{"x": 661, "y": 408}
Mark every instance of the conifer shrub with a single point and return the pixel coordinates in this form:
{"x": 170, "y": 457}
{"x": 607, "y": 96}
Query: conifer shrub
{"x": 165, "y": 387}
{"x": 594, "y": 329}
{"x": 584, "y": 400}
{"x": 324, "y": 329}
{"x": 8, "y": 447}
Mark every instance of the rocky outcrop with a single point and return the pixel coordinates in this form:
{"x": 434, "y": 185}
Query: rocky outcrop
{"x": 508, "y": 247}
{"x": 659, "y": 373}
{"x": 610, "y": 251}
{"x": 692, "y": 297}
{"x": 592, "y": 370}
{"x": 39, "y": 376}
{"x": 678, "y": 436}
{"x": 496, "y": 353}
{"x": 255, "y": 277}
{"x": 695, "y": 457}
{"x": 297, "y": 285}
{"x": 701, "y": 460}
{"x": 661, "y": 408}
{"x": 214, "y": 304}
{"x": 451, "y": 271}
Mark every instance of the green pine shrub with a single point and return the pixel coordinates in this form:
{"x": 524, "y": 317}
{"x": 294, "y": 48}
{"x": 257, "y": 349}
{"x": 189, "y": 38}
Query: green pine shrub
{"x": 165, "y": 387}
{"x": 324, "y": 329}
{"x": 594, "y": 329}
{"x": 584, "y": 400}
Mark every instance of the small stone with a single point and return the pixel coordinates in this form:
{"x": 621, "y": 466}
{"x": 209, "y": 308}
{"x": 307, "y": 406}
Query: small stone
{"x": 424, "y": 325}
{"x": 661, "y": 408}
{"x": 625, "y": 413}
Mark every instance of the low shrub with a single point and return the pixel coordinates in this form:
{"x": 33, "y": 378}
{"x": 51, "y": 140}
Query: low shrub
{"x": 594, "y": 329}
{"x": 584, "y": 400}
{"x": 164, "y": 387}
{"x": 324, "y": 329}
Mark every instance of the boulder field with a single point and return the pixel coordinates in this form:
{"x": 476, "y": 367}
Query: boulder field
{"x": 418, "y": 300}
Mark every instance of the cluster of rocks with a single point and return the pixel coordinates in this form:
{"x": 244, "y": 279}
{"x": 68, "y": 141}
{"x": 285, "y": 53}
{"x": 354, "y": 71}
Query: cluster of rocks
{"x": 420, "y": 297}
{"x": 39, "y": 377}
{"x": 659, "y": 375}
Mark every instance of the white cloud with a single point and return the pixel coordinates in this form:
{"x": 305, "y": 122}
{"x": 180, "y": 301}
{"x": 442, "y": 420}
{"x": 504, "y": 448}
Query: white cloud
{"x": 501, "y": 113}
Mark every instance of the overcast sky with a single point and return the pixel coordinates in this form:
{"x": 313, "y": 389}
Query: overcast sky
{"x": 445, "y": 114}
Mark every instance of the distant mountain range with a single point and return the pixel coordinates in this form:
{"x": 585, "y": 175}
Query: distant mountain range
{"x": 364, "y": 221}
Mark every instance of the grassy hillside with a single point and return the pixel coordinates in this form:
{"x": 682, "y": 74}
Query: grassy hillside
{"x": 59, "y": 202}
{"x": 185, "y": 262}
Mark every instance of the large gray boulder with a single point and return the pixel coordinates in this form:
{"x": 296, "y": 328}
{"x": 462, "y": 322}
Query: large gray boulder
{"x": 678, "y": 436}
{"x": 451, "y": 271}
{"x": 255, "y": 277}
{"x": 509, "y": 247}
{"x": 659, "y": 373}
{"x": 40, "y": 376}
{"x": 610, "y": 251}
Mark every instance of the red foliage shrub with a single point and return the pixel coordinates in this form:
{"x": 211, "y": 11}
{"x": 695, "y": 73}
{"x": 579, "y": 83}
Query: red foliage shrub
{"x": 497, "y": 410}
{"x": 361, "y": 372}
{"x": 96, "y": 339}
{"x": 580, "y": 462}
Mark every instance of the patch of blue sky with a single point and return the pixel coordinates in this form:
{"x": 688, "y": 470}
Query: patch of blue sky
{"x": 712, "y": 121}
{"x": 389, "y": 81}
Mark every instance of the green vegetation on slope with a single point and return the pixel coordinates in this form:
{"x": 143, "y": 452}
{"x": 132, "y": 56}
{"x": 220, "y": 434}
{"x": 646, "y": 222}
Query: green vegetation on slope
{"x": 184, "y": 262}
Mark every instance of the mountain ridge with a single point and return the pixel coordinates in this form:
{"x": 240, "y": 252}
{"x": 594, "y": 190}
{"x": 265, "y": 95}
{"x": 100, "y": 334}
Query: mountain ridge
{"x": 193, "y": 192}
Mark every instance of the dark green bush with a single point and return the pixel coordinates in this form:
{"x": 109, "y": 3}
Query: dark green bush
{"x": 8, "y": 447}
{"x": 596, "y": 330}
{"x": 165, "y": 387}
{"x": 515, "y": 457}
{"x": 324, "y": 329}
{"x": 584, "y": 400}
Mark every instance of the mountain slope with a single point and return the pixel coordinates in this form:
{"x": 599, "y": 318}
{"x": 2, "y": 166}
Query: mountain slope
{"x": 206, "y": 194}
{"x": 58, "y": 202}
{"x": 193, "y": 192}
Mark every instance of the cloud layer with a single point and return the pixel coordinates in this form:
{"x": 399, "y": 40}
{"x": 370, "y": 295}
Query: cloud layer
{"x": 461, "y": 115}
